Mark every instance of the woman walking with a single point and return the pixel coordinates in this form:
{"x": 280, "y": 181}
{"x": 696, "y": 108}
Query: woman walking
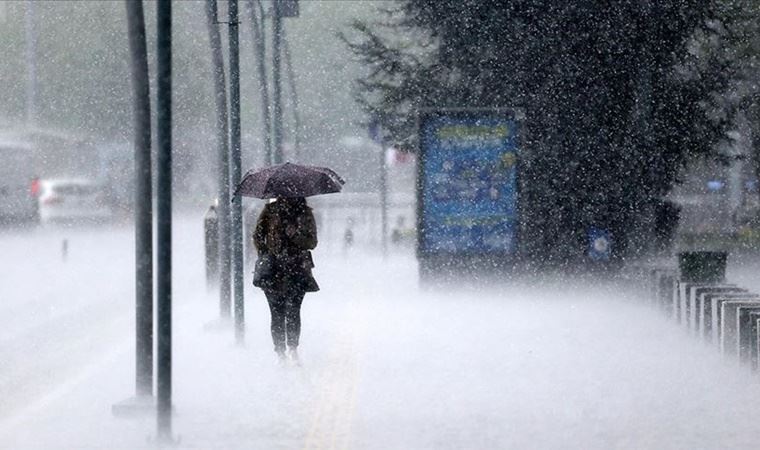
{"x": 285, "y": 233}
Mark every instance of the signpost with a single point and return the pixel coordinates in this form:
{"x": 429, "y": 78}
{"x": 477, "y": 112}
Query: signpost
{"x": 467, "y": 187}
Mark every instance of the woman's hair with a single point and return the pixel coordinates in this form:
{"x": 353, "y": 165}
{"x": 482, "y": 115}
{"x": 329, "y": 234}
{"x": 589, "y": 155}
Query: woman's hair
{"x": 296, "y": 205}
{"x": 297, "y": 202}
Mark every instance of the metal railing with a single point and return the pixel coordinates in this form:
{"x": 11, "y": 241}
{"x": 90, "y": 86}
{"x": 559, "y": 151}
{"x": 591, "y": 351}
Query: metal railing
{"x": 722, "y": 314}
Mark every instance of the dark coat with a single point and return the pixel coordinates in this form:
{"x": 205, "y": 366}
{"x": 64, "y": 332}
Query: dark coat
{"x": 288, "y": 233}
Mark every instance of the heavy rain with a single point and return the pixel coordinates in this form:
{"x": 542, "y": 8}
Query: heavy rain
{"x": 399, "y": 224}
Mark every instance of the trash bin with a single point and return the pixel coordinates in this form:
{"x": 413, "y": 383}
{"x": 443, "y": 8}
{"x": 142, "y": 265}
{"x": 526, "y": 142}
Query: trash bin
{"x": 703, "y": 266}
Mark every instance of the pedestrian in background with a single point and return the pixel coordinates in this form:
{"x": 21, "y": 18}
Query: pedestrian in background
{"x": 285, "y": 233}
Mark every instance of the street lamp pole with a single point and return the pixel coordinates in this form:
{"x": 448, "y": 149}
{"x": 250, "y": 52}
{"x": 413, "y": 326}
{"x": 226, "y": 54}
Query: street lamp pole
{"x": 164, "y": 215}
{"x": 276, "y": 81}
{"x": 143, "y": 200}
{"x": 223, "y": 169}
{"x": 294, "y": 98}
{"x": 31, "y": 62}
{"x": 235, "y": 171}
{"x": 383, "y": 196}
{"x": 259, "y": 44}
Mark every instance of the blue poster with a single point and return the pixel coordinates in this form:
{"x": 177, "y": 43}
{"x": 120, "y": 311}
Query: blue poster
{"x": 468, "y": 185}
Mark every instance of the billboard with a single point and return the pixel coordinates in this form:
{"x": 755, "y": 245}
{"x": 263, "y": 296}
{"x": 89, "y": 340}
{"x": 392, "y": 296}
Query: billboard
{"x": 468, "y": 182}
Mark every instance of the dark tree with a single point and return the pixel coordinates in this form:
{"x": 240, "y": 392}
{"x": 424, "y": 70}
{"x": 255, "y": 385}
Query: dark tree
{"x": 611, "y": 120}
{"x": 726, "y": 59}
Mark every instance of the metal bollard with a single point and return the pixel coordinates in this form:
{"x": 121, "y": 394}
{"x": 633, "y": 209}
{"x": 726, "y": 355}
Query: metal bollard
{"x": 665, "y": 293}
{"x": 730, "y": 342}
{"x": 698, "y": 269}
{"x": 211, "y": 239}
{"x": 65, "y": 250}
{"x": 716, "y": 313}
{"x": 702, "y": 306}
{"x": 746, "y": 322}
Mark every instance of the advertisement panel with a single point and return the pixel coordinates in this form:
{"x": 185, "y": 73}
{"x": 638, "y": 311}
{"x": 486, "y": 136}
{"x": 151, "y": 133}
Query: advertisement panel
{"x": 468, "y": 182}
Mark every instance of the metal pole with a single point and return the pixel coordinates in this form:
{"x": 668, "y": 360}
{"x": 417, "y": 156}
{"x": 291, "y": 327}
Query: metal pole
{"x": 276, "y": 82}
{"x": 143, "y": 200}
{"x": 211, "y": 247}
{"x": 31, "y": 63}
{"x": 235, "y": 171}
{"x": 223, "y": 168}
{"x": 164, "y": 210}
{"x": 259, "y": 44}
{"x": 293, "y": 96}
{"x": 383, "y": 196}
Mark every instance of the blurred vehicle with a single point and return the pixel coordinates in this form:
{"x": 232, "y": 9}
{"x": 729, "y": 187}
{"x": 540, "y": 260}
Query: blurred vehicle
{"x": 73, "y": 200}
{"x": 18, "y": 183}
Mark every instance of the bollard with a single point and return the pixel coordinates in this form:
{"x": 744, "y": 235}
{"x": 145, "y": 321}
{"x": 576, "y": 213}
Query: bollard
{"x": 729, "y": 326}
{"x": 665, "y": 293}
{"x": 672, "y": 307}
{"x": 716, "y": 312}
{"x": 704, "y": 306}
{"x": 348, "y": 235}
{"x": 652, "y": 280}
{"x": 746, "y": 321}
{"x": 687, "y": 300}
{"x": 65, "y": 250}
{"x": 697, "y": 269}
{"x": 724, "y": 314}
{"x": 694, "y": 307}
{"x": 211, "y": 239}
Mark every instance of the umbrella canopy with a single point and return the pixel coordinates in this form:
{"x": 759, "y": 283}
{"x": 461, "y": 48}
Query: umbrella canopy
{"x": 289, "y": 180}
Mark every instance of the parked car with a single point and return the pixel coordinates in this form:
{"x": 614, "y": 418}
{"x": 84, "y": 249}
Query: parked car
{"x": 71, "y": 200}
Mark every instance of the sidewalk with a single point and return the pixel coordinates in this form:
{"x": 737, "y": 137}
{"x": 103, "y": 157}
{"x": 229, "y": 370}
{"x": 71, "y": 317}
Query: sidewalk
{"x": 389, "y": 366}
{"x": 225, "y": 396}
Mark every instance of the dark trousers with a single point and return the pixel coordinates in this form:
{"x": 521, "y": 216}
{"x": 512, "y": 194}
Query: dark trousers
{"x": 285, "y": 307}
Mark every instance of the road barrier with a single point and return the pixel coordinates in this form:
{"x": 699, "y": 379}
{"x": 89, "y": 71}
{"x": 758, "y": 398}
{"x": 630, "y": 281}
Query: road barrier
{"x": 695, "y": 294}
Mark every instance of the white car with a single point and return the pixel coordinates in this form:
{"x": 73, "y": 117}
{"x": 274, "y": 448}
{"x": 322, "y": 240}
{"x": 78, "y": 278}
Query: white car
{"x": 71, "y": 200}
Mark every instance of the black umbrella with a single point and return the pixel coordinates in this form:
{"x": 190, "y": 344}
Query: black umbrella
{"x": 289, "y": 180}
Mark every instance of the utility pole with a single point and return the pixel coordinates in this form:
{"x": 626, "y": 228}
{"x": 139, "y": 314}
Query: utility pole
{"x": 259, "y": 45}
{"x": 31, "y": 63}
{"x": 223, "y": 160}
{"x": 143, "y": 200}
{"x": 164, "y": 218}
{"x": 235, "y": 171}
